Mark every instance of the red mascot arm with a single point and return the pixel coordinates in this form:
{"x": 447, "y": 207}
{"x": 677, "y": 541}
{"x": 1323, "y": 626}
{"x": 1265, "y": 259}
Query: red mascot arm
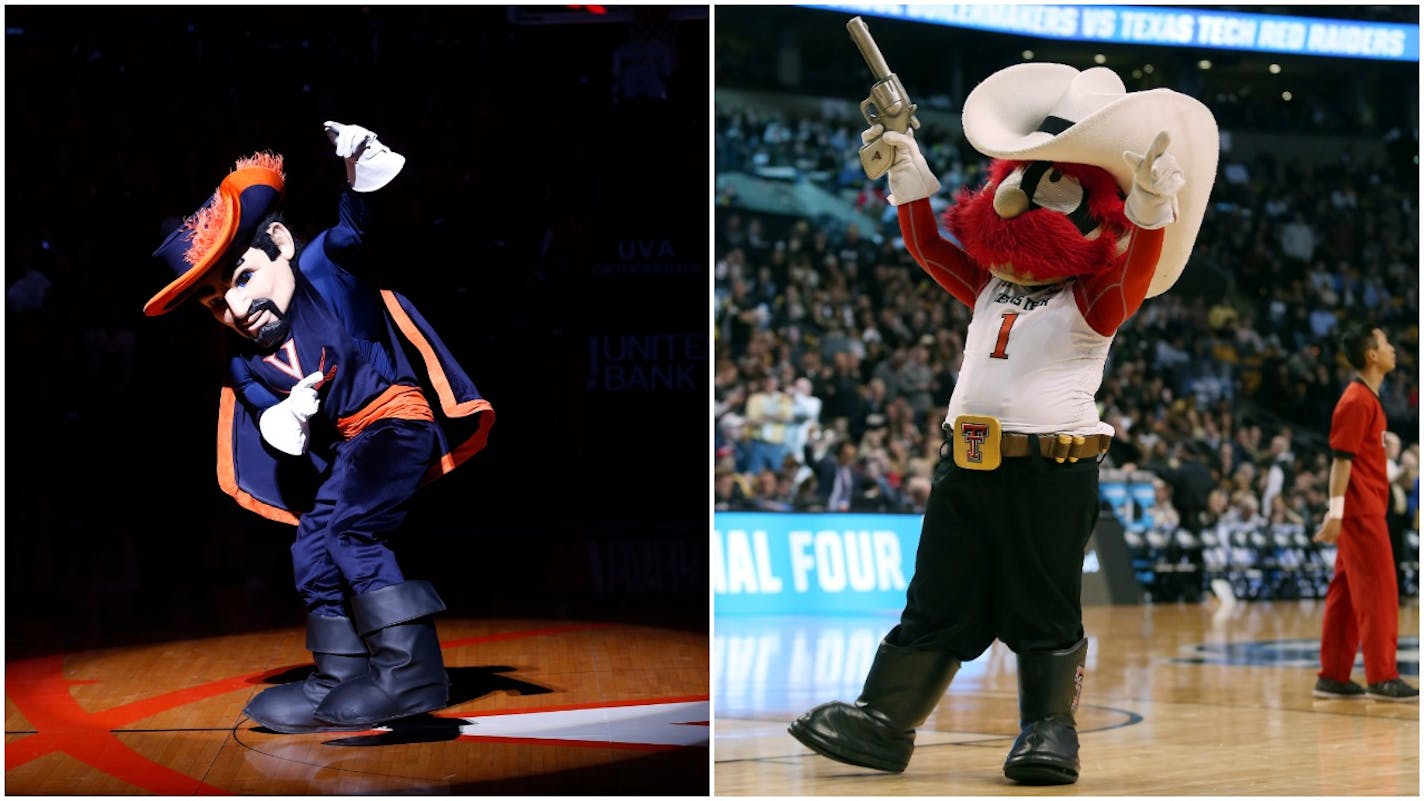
{"x": 939, "y": 257}
{"x": 1108, "y": 298}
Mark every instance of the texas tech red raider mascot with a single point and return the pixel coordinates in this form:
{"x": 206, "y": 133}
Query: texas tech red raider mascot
{"x": 1092, "y": 203}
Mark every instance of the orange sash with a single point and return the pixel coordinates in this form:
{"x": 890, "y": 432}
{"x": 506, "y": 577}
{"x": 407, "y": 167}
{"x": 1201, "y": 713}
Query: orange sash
{"x": 398, "y": 401}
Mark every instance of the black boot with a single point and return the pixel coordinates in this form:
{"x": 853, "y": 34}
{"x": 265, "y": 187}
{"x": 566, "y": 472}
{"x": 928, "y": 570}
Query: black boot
{"x": 878, "y": 731}
{"x": 1046, "y": 751}
{"x": 340, "y": 656}
{"x": 407, "y": 674}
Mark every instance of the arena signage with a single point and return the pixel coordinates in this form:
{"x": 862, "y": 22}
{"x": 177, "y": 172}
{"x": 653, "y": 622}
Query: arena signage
{"x": 808, "y": 564}
{"x": 1172, "y": 27}
{"x": 659, "y": 362}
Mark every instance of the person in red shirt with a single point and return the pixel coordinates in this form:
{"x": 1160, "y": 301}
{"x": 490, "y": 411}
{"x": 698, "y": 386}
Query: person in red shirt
{"x": 1361, "y": 606}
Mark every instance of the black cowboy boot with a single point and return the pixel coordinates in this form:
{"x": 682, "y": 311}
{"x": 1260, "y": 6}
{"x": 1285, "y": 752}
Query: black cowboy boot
{"x": 1046, "y": 751}
{"x": 407, "y": 674}
{"x": 340, "y": 656}
{"x": 878, "y": 731}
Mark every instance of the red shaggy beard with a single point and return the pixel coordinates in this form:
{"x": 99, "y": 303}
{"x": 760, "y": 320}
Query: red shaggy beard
{"x": 1041, "y": 246}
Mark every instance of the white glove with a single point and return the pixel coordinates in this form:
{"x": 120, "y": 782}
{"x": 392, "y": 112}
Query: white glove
{"x": 350, "y": 140}
{"x": 1156, "y": 180}
{"x": 370, "y": 165}
{"x": 284, "y": 424}
{"x": 910, "y": 177}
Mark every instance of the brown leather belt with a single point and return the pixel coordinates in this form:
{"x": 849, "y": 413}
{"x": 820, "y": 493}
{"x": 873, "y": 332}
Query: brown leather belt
{"x": 1051, "y": 446}
{"x": 1062, "y": 447}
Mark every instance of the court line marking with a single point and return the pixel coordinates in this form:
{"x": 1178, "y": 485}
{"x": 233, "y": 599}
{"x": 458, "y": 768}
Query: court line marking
{"x": 317, "y": 765}
{"x": 683, "y": 702}
{"x": 1133, "y": 718}
{"x": 647, "y": 725}
{"x": 40, "y": 692}
{"x": 1138, "y": 719}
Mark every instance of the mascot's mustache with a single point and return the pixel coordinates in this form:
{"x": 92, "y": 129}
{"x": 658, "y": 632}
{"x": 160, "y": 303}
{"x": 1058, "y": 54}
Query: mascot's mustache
{"x": 1041, "y": 244}
{"x": 274, "y": 333}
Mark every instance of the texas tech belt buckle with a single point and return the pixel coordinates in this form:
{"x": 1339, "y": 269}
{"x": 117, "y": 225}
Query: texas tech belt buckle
{"x": 976, "y": 442}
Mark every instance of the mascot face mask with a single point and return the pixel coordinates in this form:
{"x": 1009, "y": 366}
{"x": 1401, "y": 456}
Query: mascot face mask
{"x": 1052, "y": 206}
{"x": 219, "y": 255}
{"x": 253, "y": 297}
{"x": 1039, "y": 222}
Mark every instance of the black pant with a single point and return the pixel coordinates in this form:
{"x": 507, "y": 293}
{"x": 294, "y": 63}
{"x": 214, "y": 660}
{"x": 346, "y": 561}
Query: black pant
{"x": 1001, "y": 556}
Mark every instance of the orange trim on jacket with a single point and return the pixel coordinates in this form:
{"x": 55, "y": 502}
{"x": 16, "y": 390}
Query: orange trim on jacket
{"x": 462, "y": 452}
{"x": 397, "y": 401}
{"x": 227, "y": 470}
{"x": 432, "y": 362}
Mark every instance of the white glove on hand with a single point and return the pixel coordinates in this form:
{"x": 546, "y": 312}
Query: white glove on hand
{"x": 370, "y": 165}
{"x": 351, "y": 140}
{"x": 1156, "y": 180}
{"x": 284, "y": 425}
{"x": 910, "y": 177}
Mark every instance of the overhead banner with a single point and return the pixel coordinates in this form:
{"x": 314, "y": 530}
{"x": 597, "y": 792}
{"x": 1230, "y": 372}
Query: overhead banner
{"x": 1168, "y": 27}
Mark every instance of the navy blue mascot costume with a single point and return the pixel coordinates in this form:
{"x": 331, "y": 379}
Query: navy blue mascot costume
{"x": 340, "y": 403}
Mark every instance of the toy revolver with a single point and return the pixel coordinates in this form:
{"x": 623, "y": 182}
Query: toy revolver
{"x": 887, "y": 105}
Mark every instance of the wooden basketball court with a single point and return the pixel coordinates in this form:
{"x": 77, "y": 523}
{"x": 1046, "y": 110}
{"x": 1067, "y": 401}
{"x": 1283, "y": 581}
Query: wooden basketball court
{"x": 538, "y": 707}
{"x": 1178, "y": 700}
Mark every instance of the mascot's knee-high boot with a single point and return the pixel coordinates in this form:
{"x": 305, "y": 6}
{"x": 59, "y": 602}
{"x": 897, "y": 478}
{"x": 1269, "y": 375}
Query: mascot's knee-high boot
{"x": 340, "y": 656}
{"x": 1046, "y": 751}
{"x": 878, "y": 731}
{"x": 407, "y": 673}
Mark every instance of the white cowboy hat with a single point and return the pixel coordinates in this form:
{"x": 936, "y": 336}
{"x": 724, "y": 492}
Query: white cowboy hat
{"x": 1053, "y": 112}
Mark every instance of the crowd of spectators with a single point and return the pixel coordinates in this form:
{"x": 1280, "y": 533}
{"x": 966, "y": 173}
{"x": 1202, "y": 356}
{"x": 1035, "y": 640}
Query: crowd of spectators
{"x": 836, "y": 355}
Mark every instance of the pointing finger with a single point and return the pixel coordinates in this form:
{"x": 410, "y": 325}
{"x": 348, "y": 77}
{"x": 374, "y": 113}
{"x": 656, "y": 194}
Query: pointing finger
{"x": 1159, "y": 146}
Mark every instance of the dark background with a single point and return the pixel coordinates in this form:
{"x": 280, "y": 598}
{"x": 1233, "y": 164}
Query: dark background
{"x": 552, "y": 227}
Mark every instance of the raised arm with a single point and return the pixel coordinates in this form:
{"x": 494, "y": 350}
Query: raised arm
{"x": 370, "y": 165}
{"x": 911, "y": 185}
{"x": 1109, "y": 298}
{"x": 937, "y": 256}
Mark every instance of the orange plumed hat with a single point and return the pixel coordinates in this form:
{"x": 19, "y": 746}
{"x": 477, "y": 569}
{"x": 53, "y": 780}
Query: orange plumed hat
{"x": 206, "y": 240}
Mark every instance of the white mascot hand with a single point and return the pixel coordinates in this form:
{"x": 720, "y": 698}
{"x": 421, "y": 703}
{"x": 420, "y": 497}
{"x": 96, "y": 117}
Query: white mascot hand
{"x": 910, "y": 177}
{"x": 284, "y": 424}
{"x": 1156, "y": 180}
{"x": 351, "y": 140}
{"x": 370, "y": 165}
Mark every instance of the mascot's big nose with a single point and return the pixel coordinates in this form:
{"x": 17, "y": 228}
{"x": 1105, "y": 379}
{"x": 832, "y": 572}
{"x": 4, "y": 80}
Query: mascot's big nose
{"x": 1010, "y": 201}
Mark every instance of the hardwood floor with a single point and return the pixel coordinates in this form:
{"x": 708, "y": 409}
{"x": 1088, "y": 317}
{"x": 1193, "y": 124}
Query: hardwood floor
{"x": 1178, "y": 700}
{"x": 537, "y": 708}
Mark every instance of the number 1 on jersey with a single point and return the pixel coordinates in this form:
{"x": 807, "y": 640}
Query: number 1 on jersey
{"x": 1000, "y": 347}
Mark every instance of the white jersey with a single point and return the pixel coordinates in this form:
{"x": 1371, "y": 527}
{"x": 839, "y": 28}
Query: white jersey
{"x": 1032, "y": 361}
